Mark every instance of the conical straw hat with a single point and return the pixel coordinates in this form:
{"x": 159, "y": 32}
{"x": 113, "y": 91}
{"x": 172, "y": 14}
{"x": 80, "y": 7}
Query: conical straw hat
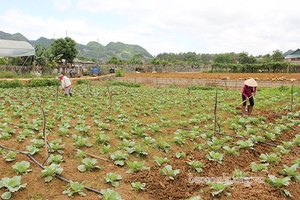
{"x": 251, "y": 82}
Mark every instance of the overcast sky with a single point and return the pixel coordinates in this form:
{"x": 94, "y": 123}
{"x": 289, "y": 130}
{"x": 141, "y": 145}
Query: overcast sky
{"x": 257, "y": 27}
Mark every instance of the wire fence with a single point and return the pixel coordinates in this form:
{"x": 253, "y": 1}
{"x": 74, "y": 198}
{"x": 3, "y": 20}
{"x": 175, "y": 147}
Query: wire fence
{"x": 236, "y": 84}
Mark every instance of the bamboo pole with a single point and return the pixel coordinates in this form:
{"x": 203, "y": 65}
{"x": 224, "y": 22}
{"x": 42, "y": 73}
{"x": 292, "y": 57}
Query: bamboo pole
{"x": 57, "y": 92}
{"x": 94, "y": 156}
{"x": 47, "y": 154}
{"x": 215, "y": 112}
{"x": 292, "y": 97}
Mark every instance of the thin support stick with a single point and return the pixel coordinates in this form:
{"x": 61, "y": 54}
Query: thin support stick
{"x": 292, "y": 97}
{"x": 94, "y": 156}
{"x": 110, "y": 98}
{"x": 215, "y": 112}
{"x": 44, "y": 132}
{"x": 57, "y": 91}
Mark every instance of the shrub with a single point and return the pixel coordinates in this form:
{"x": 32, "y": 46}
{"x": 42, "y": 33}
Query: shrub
{"x": 119, "y": 72}
{"x": 43, "y": 82}
{"x": 7, "y": 74}
{"x": 11, "y": 84}
{"x": 127, "y": 84}
{"x": 83, "y": 81}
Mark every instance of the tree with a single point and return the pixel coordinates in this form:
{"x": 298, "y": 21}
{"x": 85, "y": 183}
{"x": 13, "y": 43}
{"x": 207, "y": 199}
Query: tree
{"x": 192, "y": 58}
{"x": 114, "y": 60}
{"x": 3, "y": 61}
{"x": 222, "y": 61}
{"x": 66, "y": 48}
{"x": 126, "y": 55}
{"x": 136, "y": 59}
{"x": 244, "y": 58}
{"x": 267, "y": 58}
{"x": 277, "y": 56}
{"x": 45, "y": 58}
{"x": 223, "y": 58}
{"x": 155, "y": 61}
{"x": 206, "y": 58}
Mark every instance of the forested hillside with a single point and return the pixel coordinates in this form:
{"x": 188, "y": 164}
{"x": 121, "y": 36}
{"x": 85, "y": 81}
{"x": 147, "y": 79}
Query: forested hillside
{"x": 92, "y": 50}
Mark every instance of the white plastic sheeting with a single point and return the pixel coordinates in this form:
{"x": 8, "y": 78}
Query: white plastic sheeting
{"x": 10, "y": 48}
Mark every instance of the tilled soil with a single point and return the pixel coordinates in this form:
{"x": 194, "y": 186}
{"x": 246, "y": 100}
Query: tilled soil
{"x": 230, "y": 76}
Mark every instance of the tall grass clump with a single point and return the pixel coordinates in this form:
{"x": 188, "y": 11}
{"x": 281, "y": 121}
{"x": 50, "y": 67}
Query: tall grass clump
{"x": 43, "y": 82}
{"x": 127, "y": 84}
{"x": 119, "y": 72}
{"x": 11, "y": 84}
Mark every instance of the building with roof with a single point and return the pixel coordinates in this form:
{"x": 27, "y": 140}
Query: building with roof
{"x": 294, "y": 56}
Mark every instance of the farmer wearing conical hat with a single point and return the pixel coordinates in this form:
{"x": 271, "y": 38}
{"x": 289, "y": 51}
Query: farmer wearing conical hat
{"x": 248, "y": 91}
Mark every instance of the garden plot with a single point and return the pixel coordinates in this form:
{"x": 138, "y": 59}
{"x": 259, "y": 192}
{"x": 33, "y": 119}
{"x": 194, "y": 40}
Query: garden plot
{"x": 148, "y": 143}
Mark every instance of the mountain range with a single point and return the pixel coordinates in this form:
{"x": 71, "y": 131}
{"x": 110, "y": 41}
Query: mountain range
{"x": 92, "y": 50}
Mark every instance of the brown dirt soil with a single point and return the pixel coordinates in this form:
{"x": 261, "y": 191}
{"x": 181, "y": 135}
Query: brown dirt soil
{"x": 159, "y": 186}
{"x": 231, "y": 76}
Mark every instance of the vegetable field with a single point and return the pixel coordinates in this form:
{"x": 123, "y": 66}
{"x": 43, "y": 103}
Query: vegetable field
{"x": 127, "y": 142}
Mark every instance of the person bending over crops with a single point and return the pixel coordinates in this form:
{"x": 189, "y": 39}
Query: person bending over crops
{"x": 248, "y": 91}
{"x": 66, "y": 85}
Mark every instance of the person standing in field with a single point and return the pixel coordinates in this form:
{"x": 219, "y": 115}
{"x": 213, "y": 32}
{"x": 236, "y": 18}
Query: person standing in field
{"x": 66, "y": 85}
{"x": 248, "y": 91}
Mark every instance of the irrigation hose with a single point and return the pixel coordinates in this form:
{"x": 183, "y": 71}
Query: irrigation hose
{"x": 266, "y": 143}
{"x": 41, "y": 166}
{"x": 226, "y": 134}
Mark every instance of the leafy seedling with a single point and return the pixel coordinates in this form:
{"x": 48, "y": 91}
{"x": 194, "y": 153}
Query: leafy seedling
{"x": 21, "y": 167}
{"x": 138, "y": 150}
{"x": 257, "y": 167}
{"x": 51, "y": 171}
{"x": 239, "y": 175}
{"x": 195, "y": 164}
{"x": 163, "y": 146}
{"x": 88, "y": 164}
{"x": 136, "y": 166}
{"x": 138, "y": 186}
{"x": 269, "y": 158}
{"x": 80, "y": 141}
{"x": 119, "y": 157}
{"x": 180, "y": 154}
{"x": 10, "y": 156}
{"x": 113, "y": 179}
{"x": 218, "y": 188}
{"x": 56, "y": 159}
{"x": 12, "y": 184}
{"x": 291, "y": 172}
{"x": 215, "y": 156}
{"x": 168, "y": 171}
{"x": 279, "y": 183}
{"x": 74, "y": 188}
{"x": 160, "y": 160}
{"x": 109, "y": 194}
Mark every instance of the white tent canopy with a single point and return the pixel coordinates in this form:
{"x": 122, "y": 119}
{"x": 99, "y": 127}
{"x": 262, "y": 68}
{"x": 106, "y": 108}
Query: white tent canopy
{"x": 10, "y": 48}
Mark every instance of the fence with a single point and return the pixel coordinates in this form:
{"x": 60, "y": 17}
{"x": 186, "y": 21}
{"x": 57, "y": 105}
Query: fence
{"x": 204, "y": 82}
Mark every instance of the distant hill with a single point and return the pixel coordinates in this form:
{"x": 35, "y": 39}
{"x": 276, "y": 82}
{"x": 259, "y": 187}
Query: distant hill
{"x": 16, "y": 36}
{"x": 42, "y": 41}
{"x": 93, "y": 50}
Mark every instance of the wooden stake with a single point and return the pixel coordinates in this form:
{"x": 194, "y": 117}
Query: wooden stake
{"x": 44, "y": 132}
{"x": 292, "y": 97}
{"x": 94, "y": 156}
{"x": 215, "y": 112}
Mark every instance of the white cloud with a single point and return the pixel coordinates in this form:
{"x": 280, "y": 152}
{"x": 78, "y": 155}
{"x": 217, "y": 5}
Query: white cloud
{"x": 61, "y": 5}
{"x": 203, "y": 26}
